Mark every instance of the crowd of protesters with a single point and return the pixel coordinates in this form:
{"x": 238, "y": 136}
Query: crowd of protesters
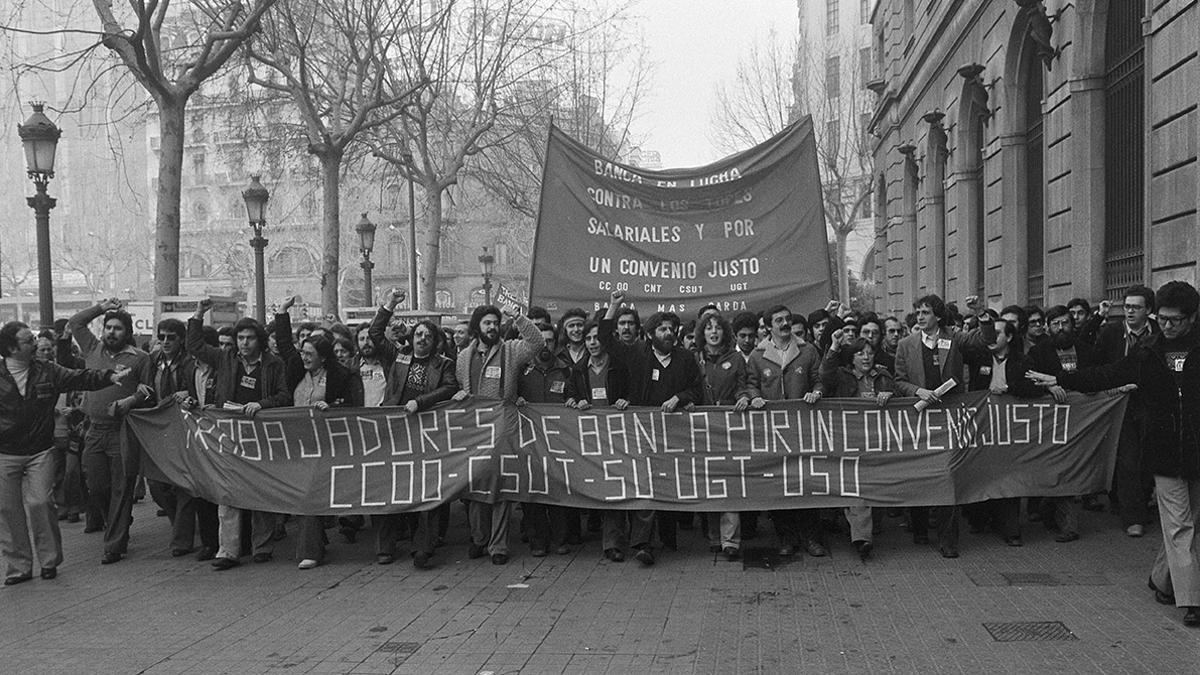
{"x": 61, "y": 455}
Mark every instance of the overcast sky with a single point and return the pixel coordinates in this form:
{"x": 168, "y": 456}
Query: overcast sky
{"x": 695, "y": 44}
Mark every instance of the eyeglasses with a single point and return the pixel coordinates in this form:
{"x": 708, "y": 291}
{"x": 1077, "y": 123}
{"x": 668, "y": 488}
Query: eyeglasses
{"x": 1036, "y": 322}
{"x": 1173, "y": 320}
{"x": 1060, "y": 323}
{"x": 164, "y": 337}
{"x": 1133, "y": 307}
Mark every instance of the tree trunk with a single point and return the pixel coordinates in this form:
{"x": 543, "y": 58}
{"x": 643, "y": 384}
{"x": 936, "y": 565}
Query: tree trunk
{"x": 429, "y": 266}
{"x": 843, "y": 273}
{"x": 331, "y": 201}
{"x": 170, "y": 178}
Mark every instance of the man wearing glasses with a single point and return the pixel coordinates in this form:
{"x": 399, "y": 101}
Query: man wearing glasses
{"x": 175, "y": 377}
{"x": 1166, "y": 371}
{"x": 1114, "y": 341}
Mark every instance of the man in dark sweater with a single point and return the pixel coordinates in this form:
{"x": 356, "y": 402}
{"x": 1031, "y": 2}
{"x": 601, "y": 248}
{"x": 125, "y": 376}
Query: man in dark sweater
{"x": 663, "y": 375}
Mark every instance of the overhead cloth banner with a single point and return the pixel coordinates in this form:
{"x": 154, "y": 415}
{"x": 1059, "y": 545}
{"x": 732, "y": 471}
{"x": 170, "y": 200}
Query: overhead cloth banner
{"x": 789, "y": 455}
{"x": 745, "y": 232}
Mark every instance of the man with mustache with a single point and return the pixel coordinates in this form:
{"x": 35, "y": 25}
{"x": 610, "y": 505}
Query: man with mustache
{"x": 628, "y": 326}
{"x": 111, "y": 473}
{"x": 1059, "y": 352}
{"x": 418, "y": 378}
{"x": 489, "y": 368}
{"x": 663, "y": 375}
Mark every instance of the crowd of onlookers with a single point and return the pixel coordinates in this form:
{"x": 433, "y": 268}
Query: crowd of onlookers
{"x": 64, "y": 393}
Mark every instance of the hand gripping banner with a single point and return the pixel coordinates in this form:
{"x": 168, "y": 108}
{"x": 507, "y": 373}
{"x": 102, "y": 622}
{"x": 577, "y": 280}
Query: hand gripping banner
{"x": 746, "y": 231}
{"x": 838, "y": 452}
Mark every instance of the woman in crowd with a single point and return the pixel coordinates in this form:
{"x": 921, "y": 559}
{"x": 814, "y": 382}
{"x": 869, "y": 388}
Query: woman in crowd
{"x": 318, "y": 380}
{"x": 724, "y": 372}
{"x": 849, "y": 371}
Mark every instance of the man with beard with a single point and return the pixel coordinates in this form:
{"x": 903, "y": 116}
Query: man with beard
{"x": 871, "y": 329}
{"x": 629, "y": 326}
{"x": 111, "y": 472}
{"x": 489, "y": 368}
{"x": 784, "y": 368}
{"x": 1001, "y": 370}
{"x": 570, "y": 331}
{"x": 663, "y": 375}
{"x": 175, "y": 377}
{"x": 932, "y": 355}
{"x": 1057, "y": 354}
{"x": 249, "y": 378}
{"x": 418, "y": 379}
{"x": 545, "y": 380}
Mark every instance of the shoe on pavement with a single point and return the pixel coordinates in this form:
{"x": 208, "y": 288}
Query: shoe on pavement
{"x": 948, "y": 551}
{"x": 787, "y": 551}
{"x": 222, "y": 564}
{"x": 206, "y": 553}
{"x": 307, "y": 564}
{"x": 421, "y": 560}
{"x": 110, "y": 558}
{"x": 538, "y": 553}
{"x": 1136, "y": 530}
{"x": 1159, "y": 596}
{"x": 180, "y": 552}
{"x": 563, "y": 550}
{"x": 815, "y": 548}
{"x": 385, "y": 559}
{"x": 261, "y": 557}
{"x": 476, "y": 551}
{"x": 19, "y": 579}
{"x": 499, "y": 558}
{"x": 1192, "y": 617}
{"x": 864, "y": 549}
{"x": 1014, "y": 541}
{"x": 1066, "y": 536}
{"x": 644, "y": 556}
{"x": 49, "y": 573}
{"x": 614, "y": 554}
{"x": 732, "y": 554}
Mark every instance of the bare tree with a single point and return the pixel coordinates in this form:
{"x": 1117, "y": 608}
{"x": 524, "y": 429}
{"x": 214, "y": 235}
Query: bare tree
{"x": 171, "y": 51}
{"x": 822, "y": 78}
{"x": 759, "y": 103}
{"x": 336, "y": 61}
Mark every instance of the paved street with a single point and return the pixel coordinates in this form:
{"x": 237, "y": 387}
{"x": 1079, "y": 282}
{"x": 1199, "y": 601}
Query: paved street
{"x": 906, "y": 610}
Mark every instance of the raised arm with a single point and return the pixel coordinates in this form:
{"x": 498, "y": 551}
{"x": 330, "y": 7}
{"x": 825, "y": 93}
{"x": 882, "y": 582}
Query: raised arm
{"x": 194, "y": 341}
{"x": 79, "y": 322}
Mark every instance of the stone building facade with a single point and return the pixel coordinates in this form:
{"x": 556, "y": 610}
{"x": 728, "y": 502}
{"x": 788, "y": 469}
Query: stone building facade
{"x": 1034, "y": 151}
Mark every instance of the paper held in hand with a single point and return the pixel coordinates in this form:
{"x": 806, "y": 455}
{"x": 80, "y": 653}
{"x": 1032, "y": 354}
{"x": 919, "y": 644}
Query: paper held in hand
{"x": 940, "y": 391}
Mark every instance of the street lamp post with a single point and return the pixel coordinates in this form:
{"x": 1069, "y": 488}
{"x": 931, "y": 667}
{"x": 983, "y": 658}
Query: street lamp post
{"x": 412, "y": 231}
{"x": 486, "y": 264}
{"x": 40, "y": 138}
{"x": 256, "y": 196}
{"x": 366, "y": 244}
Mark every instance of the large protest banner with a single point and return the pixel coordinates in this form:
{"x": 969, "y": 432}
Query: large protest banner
{"x": 788, "y": 455}
{"x": 747, "y": 231}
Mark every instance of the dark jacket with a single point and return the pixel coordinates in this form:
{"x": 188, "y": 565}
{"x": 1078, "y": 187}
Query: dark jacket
{"x": 724, "y": 377}
{"x": 979, "y": 365}
{"x": 441, "y": 382}
{"x": 27, "y": 422}
{"x": 839, "y": 381}
{"x": 1170, "y": 401}
{"x": 275, "y": 389}
{"x": 1043, "y": 357}
{"x": 681, "y": 378}
{"x": 343, "y": 388}
{"x": 580, "y": 386}
{"x": 541, "y": 383}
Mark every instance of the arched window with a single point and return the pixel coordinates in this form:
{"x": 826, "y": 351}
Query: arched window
{"x": 292, "y": 261}
{"x": 970, "y": 212}
{"x": 1124, "y": 151}
{"x": 1034, "y": 175}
